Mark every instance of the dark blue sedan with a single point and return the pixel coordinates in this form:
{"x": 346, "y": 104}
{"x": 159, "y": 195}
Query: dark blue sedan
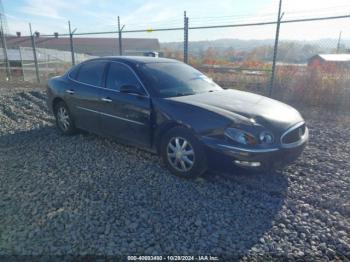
{"x": 170, "y": 108}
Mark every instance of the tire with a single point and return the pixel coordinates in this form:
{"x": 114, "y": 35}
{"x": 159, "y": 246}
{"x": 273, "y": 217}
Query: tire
{"x": 177, "y": 147}
{"x": 64, "y": 120}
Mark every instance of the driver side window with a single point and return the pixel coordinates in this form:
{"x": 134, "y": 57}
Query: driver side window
{"x": 119, "y": 75}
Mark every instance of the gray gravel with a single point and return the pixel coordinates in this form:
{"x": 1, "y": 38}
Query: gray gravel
{"x": 89, "y": 195}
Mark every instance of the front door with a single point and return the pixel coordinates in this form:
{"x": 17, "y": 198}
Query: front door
{"x": 123, "y": 115}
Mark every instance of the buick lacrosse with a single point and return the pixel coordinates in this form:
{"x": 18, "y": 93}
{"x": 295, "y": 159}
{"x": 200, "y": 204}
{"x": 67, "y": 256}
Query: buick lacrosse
{"x": 171, "y": 109}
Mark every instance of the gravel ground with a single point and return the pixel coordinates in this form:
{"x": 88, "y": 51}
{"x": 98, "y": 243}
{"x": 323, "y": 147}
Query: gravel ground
{"x": 89, "y": 195}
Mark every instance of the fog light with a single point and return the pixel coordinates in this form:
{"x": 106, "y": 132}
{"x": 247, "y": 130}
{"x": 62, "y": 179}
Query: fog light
{"x": 247, "y": 164}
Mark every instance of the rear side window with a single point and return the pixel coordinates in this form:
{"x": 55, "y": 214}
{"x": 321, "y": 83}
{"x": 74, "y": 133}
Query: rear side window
{"x": 91, "y": 73}
{"x": 73, "y": 73}
{"x": 120, "y": 75}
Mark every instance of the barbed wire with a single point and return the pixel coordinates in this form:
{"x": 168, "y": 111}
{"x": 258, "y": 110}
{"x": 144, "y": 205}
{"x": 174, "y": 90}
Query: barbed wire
{"x": 222, "y": 22}
{"x": 241, "y": 18}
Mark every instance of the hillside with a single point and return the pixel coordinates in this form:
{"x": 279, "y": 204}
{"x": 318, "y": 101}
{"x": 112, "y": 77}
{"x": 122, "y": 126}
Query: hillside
{"x": 291, "y": 51}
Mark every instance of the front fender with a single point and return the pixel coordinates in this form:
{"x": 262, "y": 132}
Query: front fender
{"x": 198, "y": 119}
{"x": 168, "y": 114}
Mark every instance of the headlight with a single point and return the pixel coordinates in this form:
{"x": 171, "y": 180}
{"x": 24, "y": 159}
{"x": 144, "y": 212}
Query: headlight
{"x": 265, "y": 138}
{"x": 240, "y": 136}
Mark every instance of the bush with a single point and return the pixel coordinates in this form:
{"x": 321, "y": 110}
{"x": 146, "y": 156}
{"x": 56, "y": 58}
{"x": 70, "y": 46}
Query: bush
{"x": 323, "y": 85}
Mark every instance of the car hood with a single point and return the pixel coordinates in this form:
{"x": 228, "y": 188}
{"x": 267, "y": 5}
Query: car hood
{"x": 235, "y": 104}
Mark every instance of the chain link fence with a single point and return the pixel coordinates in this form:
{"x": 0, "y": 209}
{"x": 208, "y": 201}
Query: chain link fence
{"x": 283, "y": 63}
{"x": 314, "y": 72}
{"x": 232, "y": 59}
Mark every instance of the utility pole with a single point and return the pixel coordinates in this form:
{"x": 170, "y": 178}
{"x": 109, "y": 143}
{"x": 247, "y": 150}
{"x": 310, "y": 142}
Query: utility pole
{"x": 339, "y": 40}
{"x": 34, "y": 54}
{"x": 275, "y": 50}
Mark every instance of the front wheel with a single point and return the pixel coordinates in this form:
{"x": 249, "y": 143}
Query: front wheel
{"x": 182, "y": 153}
{"x": 64, "y": 119}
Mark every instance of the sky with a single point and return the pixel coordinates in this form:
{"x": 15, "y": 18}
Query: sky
{"x": 48, "y": 16}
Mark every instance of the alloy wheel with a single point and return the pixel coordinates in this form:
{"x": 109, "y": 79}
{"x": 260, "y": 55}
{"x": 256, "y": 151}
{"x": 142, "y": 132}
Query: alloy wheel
{"x": 180, "y": 154}
{"x": 63, "y": 118}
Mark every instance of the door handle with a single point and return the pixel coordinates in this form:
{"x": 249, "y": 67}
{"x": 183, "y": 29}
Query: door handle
{"x": 106, "y": 99}
{"x": 71, "y": 92}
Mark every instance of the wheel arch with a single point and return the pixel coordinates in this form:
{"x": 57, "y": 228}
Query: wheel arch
{"x": 163, "y": 129}
{"x": 55, "y": 101}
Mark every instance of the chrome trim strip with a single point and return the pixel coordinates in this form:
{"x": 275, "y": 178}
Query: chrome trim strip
{"x": 105, "y": 114}
{"x": 83, "y": 83}
{"x": 117, "y": 91}
{"x": 303, "y": 139}
{"x": 292, "y": 128}
{"x": 258, "y": 150}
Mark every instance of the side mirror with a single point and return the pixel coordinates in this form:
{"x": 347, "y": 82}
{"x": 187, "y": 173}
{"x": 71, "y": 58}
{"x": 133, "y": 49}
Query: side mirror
{"x": 130, "y": 89}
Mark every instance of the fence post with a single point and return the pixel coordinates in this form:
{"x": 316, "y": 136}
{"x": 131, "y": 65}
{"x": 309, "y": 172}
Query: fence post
{"x": 339, "y": 40}
{"x": 71, "y": 44}
{"x": 185, "y": 38}
{"x": 120, "y": 37}
{"x": 4, "y": 49}
{"x": 21, "y": 57}
{"x": 275, "y": 50}
{"x": 34, "y": 54}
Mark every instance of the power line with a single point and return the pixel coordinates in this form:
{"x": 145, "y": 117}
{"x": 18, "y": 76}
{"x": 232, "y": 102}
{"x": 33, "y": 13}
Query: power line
{"x": 230, "y": 19}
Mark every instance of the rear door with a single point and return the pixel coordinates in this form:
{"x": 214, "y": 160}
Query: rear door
{"x": 125, "y": 116}
{"x": 84, "y": 95}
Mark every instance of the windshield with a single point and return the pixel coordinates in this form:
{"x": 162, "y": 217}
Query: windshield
{"x": 176, "y": 79}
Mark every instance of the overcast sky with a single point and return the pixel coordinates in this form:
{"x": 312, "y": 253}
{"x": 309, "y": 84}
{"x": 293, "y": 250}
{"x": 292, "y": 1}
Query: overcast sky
{"x": 48, "y": 16}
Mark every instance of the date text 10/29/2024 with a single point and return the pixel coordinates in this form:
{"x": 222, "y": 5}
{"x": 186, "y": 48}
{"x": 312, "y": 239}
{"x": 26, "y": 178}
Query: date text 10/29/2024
{"x": 173, "y": 258}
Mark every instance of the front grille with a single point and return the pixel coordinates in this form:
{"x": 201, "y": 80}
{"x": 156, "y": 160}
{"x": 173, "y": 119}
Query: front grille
{"x": 294, "y": 134}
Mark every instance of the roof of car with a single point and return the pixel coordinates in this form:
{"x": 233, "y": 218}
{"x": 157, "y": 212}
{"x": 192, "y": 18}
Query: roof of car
{"x": 138, "y": 59}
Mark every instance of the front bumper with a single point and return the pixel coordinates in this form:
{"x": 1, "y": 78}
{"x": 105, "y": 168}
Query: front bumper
{"x": 255, "y": 158}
